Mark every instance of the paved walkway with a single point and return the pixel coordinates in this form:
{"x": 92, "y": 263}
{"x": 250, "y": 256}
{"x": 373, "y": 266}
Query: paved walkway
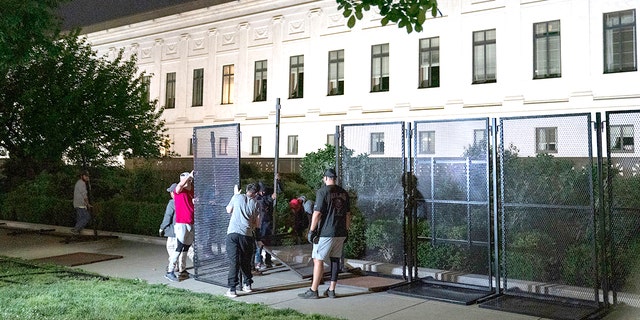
{"x": 145, "y": 258}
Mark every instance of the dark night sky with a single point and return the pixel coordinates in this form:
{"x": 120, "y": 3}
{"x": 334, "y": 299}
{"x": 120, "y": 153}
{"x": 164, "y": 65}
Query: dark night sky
{"x": 82, "y": 13}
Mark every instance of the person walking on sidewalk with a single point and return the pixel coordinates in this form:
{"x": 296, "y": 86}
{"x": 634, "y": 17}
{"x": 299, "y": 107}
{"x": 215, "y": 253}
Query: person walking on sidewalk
{"x": 329, "y": 227}
{"x": 183, "y": 228}
{"x": 166, "y": 230}
{"x": 240, "y": 238}
{"x": 81, "y": 203}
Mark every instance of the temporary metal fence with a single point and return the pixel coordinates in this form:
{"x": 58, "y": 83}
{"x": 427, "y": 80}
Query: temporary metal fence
{"x": 623, "y": 186}
{"x": 216, "y": 171}
{"x": 548, "y": 217}
{"x": 521, "y": 208}
{"x": 372, "y": 168}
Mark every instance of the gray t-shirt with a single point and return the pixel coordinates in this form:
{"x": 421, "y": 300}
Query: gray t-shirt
{"x": 79, "y": 194}
{"x": 243, "y": 216}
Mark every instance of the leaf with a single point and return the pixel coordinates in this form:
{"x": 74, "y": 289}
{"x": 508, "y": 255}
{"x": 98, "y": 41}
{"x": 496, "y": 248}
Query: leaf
{"x": 359, "y": 15}
{"x": 384, "y": 21}
{"x": 352, "y": 22}
{"x": 346, "y": 13}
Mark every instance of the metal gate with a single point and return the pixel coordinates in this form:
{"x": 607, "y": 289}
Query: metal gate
{"x": 452, "y": 211}
{"x": 623, "y": 182}
{"x": 372, "y": 170}
{"x": 216, "y": 171}
{"x": 548, "y": 217}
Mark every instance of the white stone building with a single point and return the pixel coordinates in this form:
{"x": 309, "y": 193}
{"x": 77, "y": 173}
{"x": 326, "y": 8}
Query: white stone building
{"x": 479, "y": 58}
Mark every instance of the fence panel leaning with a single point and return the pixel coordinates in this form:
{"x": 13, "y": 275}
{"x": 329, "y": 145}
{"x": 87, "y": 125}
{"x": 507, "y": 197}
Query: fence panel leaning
{"x": 372, "y": 171}
{"x": 547, "y": 216}
{"x": 216, "y": 171}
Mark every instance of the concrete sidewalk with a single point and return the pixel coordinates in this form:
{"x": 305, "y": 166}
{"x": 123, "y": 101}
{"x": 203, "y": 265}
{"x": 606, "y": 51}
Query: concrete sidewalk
{"x": 146, "y": 258}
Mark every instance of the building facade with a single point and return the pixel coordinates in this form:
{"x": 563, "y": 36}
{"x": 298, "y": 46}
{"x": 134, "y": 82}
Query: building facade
{"x": 231, "y": 62}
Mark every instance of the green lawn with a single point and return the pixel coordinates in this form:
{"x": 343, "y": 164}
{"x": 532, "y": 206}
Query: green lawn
{"x": 35, "y": 291}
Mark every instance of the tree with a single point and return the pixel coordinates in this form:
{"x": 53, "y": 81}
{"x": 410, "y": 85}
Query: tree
{"x": 24, "y": 25}
{"x": 408, "y": 14}
{"x": 63, "y": 103}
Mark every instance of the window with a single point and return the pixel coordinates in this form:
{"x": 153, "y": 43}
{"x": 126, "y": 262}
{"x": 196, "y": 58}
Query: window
{"x": 479, "y": 137}
{"x": 377, "y": 142}
{"x": 260, "y": 81}
{"x": 296, "y": 77}
{"x": 427, "y": 143}
{"x": 484, "y": 56}
{"x": 146, "y": 84}
{"x": 621, "y": 138}
{"x": 256, "y": 145}
{"x": 227, "y": 84}
{"x": 429, "y": 73}
{"x": 190, "y": 146}
{"x": 292, "y": 145}
{"x": 198, "y": 84}
{"x": 336, "y": 73}
{"x": 546, "y": 50}
{"x": 620, "y": 41}
{"x": 223, "y": 144}
{"x": 331, "y": 139}
{"x": 546, "y": 140}
{"x": 380, "y": 68}
{"x": 170, "y": 97}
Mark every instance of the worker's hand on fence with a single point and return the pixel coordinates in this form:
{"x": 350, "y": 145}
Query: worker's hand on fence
{"x": 161, "y": 232}
{"x": 236, "y": 190}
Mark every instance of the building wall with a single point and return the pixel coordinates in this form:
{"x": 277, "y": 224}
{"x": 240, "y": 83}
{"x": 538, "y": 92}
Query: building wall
{"x": 246, "y": 31}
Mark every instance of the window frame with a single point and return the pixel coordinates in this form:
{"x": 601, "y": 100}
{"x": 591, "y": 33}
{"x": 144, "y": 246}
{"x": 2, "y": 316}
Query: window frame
{"x": 146, "y": 84}
{"x": 197, "y": 95}
{"x": 485, "y": 45}
{"x": 260, "y": 81}
{"x": 335, "y": 84}
{"x": 608, "y": 36}
{"x": 550, "y": 55}
{"x": 376, "y": 145}
{"x": 223, "y": 146}
{"x": 620, "y": 139}
{"x": 430, "y": 146}
{"x": 190, "y": 147}
{"x": 228, "y": 79}
{"x": 296, "y": 77}
{"x": 380, "y": 59}
{"x": 427, "y": 48}
{"x": 170, "y": 91}
{"x": 292, "y": 145}
{"x": 256, "y": 145}
{"x": 331, "y": 139}
{"x": 547, "y": 142}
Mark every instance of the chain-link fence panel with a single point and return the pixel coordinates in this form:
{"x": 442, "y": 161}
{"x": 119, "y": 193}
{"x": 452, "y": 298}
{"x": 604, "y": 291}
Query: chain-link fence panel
{"x": 623, "y": 182}
{"x": 372, "y": 167}
{"x": 453, "y": 215}
{"x": 216, "y": 171}
{"x": 547, "y": 207}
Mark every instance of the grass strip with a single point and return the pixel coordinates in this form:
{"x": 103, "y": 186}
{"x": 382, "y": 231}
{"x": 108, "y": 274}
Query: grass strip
{"x": 43, "y": 291}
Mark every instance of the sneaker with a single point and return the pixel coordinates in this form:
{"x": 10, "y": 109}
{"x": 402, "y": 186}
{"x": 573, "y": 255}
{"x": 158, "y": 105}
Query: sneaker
{"x": 246, "y": 288}
{"x": 184, "y": 275}
{"x": 231, "y": 293}
{"x": 262, "y": 267}
{"x": 330, "y": 293}
{"x": 309, "y": 294}
{"x": 171, "y": 276}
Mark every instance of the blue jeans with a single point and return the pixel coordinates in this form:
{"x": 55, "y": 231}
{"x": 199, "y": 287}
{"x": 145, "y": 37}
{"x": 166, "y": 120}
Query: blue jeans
{"x": 239, "y": 250}
{"x": 82, "y": 218}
